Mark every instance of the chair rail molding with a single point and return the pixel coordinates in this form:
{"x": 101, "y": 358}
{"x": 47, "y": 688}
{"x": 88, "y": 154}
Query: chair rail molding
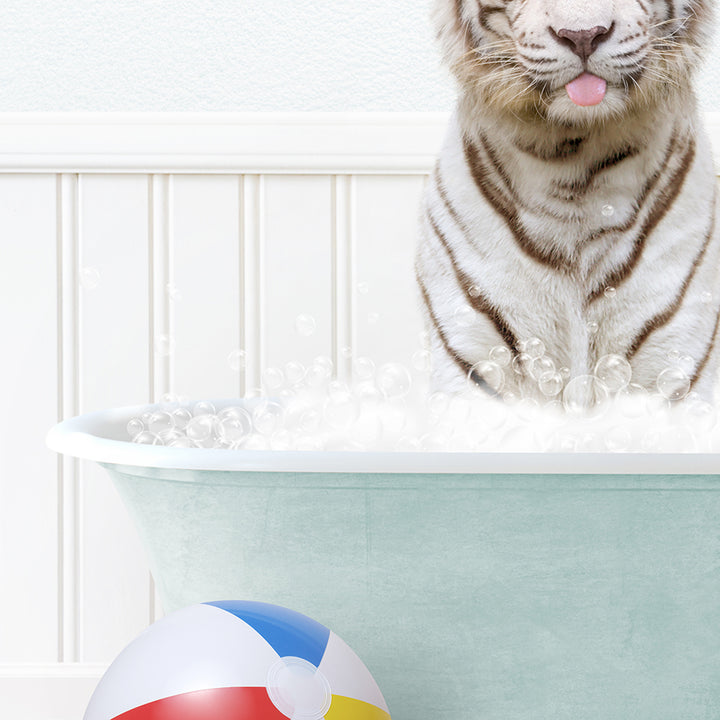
{"x": 388, "y": 143}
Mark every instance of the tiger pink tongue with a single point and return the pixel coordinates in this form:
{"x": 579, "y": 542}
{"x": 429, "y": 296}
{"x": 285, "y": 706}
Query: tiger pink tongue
{"x": 586, "y": 89}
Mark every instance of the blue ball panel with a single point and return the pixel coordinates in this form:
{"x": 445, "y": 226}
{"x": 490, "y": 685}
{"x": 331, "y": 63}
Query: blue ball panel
{"x": 286, "y": 631}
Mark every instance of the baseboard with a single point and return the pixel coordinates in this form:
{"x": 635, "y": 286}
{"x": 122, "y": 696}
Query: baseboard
{"x": 47, "y": 692}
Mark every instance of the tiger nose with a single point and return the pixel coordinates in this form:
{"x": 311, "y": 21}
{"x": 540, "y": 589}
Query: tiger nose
{"x": 583, "y": 42}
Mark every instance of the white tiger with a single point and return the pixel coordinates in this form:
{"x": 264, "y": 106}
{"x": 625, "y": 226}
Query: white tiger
{"x": 574, "y": 199}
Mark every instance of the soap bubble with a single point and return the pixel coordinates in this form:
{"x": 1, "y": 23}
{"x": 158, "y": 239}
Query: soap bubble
{"x": 613, "y": 371}
{"x": 204, "y": 407}
{"x": 464, "y": 316}
{"x": 233, "y": 425}
{"x": 268, "y": 417}
{"x": 583, "y": 395}
{"x": 170, "y": 435}
{"x": 673, "y": 383}
{"x": 607, "y": 210}
{"x": 181, "y": 417}
{"x": 164, "y": 345}
{"x": 310, "y": 420}
{"x": 134, "y": 427}
{"x": 421, "y": 361}
{"x": 522, "y": 364}
{"x": 632, "y": 399}
{"x": 305, "y": 325}
{"x": 324, "y": 361}
{"x": 363, "y": 368}
{"x": 317, "y": 376}
{"x": 159, "y": 422}
{"x": 534, "y": 347}
{"x": 686, "y": 363}
{"x": 200, "y": 428}
{"x": 610, "y": 292}
{"x": 541, "y": 365}
{"x": 147, "y": 438}
{"x": 368, "y": 394}
{"x": 656, "y": 403}
{"x": 394, "y": 380}
{"x": 294, "y": 372}
{"x": 89, "y": 278}
{"x": 236, "y": 360}
{"x": 490, "y": 372}
{"x": 336, "y": 386}
{"x": 501, "y": 355}
{"x": 592, "y": 327}
{"x": 706, "y": 297}
{"x": 474, "y": 291}
{"x": 346, "y": 352}
{"x": 273, "y": 379}
{"x": 550, "y": 383}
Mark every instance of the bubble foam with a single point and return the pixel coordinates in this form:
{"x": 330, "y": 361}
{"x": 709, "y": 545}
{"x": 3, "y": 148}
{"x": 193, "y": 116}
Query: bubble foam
{"x": 388, "y": 408}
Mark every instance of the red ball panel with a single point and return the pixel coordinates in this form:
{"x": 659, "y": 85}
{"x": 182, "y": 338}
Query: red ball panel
{"x": 234, "y": 703}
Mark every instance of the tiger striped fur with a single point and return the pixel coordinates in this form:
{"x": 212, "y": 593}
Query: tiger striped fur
{"x": 592, "y": 228}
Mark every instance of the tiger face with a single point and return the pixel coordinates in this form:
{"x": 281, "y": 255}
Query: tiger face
{"x": 573, "y": 61}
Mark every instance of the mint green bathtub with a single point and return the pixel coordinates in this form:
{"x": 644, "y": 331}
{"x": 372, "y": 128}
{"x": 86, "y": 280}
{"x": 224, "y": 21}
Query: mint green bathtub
{"x": 474, "y": 587}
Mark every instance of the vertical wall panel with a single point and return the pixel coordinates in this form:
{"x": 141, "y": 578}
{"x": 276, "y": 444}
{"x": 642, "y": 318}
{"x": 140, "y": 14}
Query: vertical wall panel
{"x": 205, "y": 277}
{"x": 386, "y": 306}
{"x": 252, "y": 231}
{"x": 114, "y": 371}
{"x": 28, "y": 383}
{"x": 297, "y": 270}
{"x": 69, "y": 467}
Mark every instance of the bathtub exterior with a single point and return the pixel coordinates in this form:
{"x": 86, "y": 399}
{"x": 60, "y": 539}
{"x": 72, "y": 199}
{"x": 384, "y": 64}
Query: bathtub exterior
{"x": 508, "y": 597}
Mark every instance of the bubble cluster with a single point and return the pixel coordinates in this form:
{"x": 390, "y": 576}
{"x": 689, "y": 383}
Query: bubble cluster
{"x": 387, "y": 407}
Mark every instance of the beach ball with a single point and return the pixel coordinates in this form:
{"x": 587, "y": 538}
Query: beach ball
{"x": 237, "y": 660}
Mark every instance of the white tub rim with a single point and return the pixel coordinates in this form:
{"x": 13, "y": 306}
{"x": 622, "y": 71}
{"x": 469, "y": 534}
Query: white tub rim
{"x": 86, "y": 437}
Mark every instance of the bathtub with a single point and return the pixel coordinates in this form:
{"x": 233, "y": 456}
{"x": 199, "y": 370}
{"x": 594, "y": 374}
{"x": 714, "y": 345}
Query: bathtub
{"x": 494, "y": 586}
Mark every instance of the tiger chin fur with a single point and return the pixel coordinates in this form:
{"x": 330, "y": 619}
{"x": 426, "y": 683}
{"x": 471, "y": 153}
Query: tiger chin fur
{"x": 590, "y": 227}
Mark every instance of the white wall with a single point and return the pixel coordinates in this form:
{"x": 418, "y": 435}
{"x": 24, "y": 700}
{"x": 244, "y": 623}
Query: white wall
{"x": 230, "y": 55}
{"x": 251, "y": 221}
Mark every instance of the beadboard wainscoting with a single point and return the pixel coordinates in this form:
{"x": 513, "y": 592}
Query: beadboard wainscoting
{"x": 137, "y": 253}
